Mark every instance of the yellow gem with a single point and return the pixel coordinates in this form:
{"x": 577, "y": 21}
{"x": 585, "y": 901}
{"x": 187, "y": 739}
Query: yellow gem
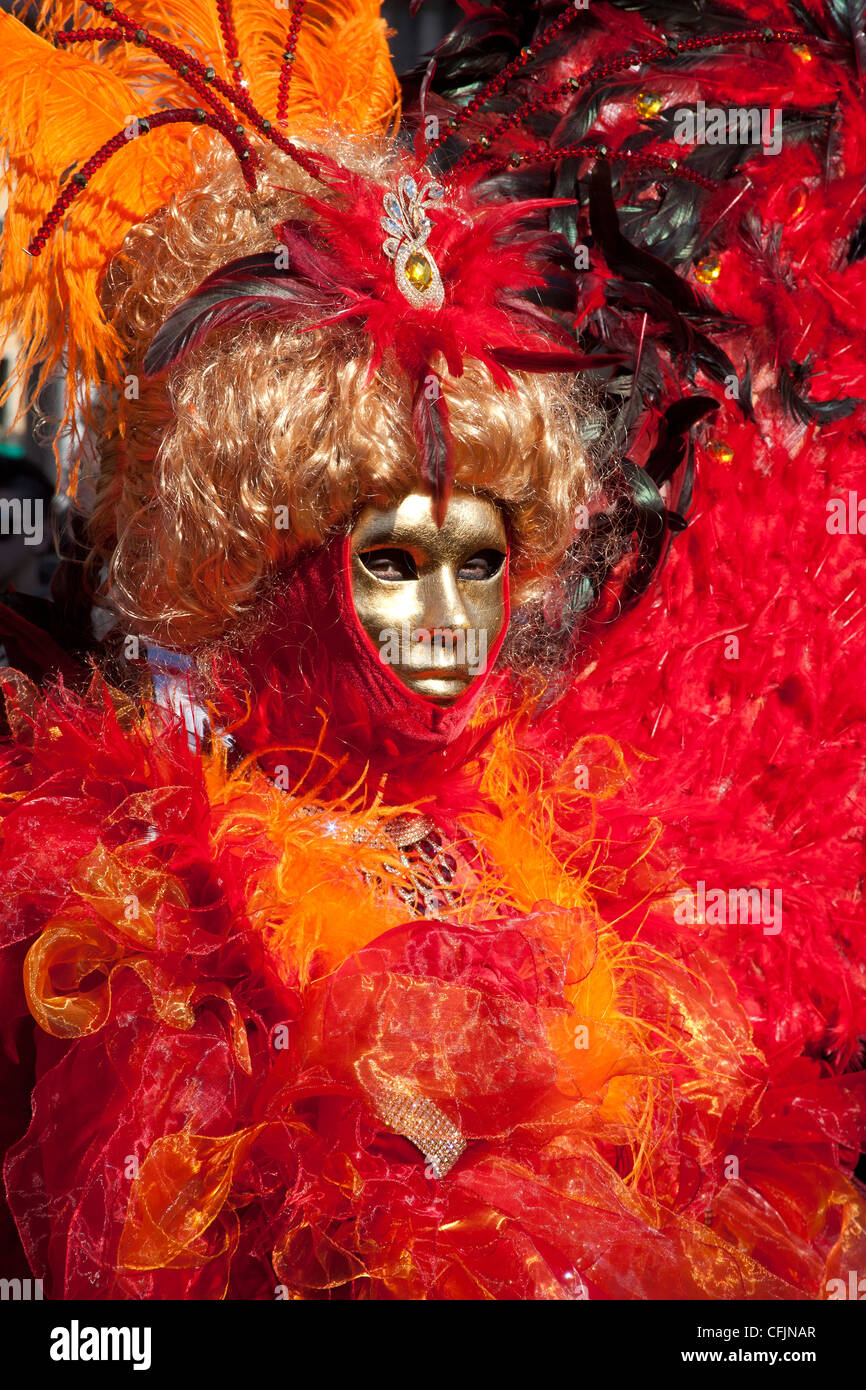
{"x": 797, "y": 201}
{"x": 418, "y": 271}
{"x": 720, "y": 450}
{"x": 648, "y": 104}
{"x": 708, "y": 269}
{"x": 803, "y": 53}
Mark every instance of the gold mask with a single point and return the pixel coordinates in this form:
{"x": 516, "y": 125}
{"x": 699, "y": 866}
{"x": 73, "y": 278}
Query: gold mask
{"x": 432, "y": 599}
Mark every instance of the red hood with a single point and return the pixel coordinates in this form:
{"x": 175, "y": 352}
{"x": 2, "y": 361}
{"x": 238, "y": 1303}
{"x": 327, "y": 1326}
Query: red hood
{"x": 323, "y": 704}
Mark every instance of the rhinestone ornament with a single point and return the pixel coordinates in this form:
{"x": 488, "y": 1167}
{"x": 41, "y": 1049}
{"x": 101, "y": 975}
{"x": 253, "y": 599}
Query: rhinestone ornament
{"x": 418, "y": 271}
{"x": 421, "y": 1122}
{"x": 408, "y": 227}
{"x": 708, "y": 269}
{"x": 648, "y": 104}
{"x": 720, "y": 450}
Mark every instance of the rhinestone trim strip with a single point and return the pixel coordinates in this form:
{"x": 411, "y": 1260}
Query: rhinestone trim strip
{"x": 422, "y": 1123}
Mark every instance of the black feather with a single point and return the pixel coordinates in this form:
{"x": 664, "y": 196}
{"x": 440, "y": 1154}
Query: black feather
{"x": 793, "y": 377}
{"x": 857, "y": 246}
{"x": 244, "y": 290}
{"x": 670, "y": 447}
{"x": 628, "y": 260}
{"x": 850, "y": 18}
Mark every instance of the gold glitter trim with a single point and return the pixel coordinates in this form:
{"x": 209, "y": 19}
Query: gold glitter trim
{"x": 421, "y": 1122}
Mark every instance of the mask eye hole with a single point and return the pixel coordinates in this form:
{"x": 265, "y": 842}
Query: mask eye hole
{"x": 484, "y": 564}
{"x": 393, "y": 565}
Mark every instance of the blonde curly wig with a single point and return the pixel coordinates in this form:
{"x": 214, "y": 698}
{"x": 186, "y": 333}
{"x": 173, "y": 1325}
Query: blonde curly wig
{"x": 264, "y": 439}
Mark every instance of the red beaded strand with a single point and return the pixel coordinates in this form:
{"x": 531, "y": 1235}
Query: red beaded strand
{"x": 184, "y": 64}
{"x": 501, "y": 80}
{"x": 204, "y": 81}
{"x": 230, "y": 40}
{"x": 199, "y": 84}
{"x": 638, "y": 158}
{"x": 288, "y": 60}
{"x": 78, "y": 181}
{"x": 670, "y": 49}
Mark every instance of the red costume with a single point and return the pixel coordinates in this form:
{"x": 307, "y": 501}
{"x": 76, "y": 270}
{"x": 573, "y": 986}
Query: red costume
{"x": 353, "y": 995}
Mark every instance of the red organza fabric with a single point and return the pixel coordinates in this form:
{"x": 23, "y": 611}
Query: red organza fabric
{"x": 219, "y": 982}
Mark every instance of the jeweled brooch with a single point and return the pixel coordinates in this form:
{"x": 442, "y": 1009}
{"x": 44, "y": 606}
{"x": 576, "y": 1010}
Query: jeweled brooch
{"x": 408, "y": 228}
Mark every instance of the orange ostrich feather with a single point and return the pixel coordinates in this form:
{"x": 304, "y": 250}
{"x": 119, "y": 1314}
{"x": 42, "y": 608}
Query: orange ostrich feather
{"x": 58, "y": 106}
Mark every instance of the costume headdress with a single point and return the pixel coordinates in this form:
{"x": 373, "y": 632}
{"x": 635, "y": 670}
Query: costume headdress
{"x": 473, "y": 251}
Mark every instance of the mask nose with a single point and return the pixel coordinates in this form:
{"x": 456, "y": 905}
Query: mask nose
{"x": 443, "y": 606}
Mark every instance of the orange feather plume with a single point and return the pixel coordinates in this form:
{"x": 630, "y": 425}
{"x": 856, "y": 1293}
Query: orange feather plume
{"x": 58, "y": 106}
